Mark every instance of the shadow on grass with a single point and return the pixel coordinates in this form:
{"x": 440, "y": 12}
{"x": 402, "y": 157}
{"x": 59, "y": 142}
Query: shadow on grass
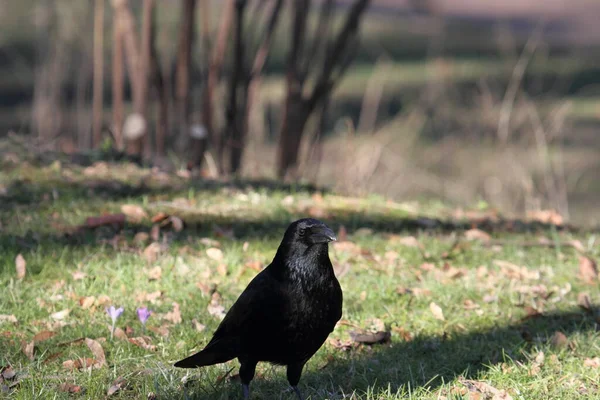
{"x": 424, "y": 362}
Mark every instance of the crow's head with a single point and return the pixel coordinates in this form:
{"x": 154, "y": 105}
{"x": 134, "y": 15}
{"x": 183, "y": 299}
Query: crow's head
{"x": 308, "y": 232}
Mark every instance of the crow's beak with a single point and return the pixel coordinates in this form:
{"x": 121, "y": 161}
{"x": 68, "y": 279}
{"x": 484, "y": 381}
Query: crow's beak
{"x": 322, "y": 234}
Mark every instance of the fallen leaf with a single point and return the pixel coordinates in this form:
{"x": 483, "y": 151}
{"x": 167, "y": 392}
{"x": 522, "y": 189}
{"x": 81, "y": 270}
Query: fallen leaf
{"x": 134, "y": 213}
{"x": 97, "y": 351}
{"x": 469, "y": 304}
{"x": 577, "y": 245}
{"x": 119, "y": 384}
{"x": 588, "y": 271}
{"x": 78, "y": 275}
{"x": 144, "y": 342}
{"x": 478, "y": 234}
{"x": 155, "y": 233}
{"x": 537, "y": 364}
{"x": 371, "y": 337}
{"x": 87, "y": 302}
{"x": 222, "y": 269}
{"x": 44, "y": 335}
{"x": 214, "y": 253}
{"x": 70, "y": 388}
{"x": 159, "y": 217}
{"x": 254, "y": 264}
{"x": 551, "y": 217}
{"x": 215, "y": 308}
{"x": 80, "y": 363}
{"x": 141, "y": 238}
{"x": 119, "y": 333}
{"x": 559, "y": 339}
{"x": 344, "y": 345}
{"x": 176, "y": 223}
{"x": 408, "y": 241}
{"x": 592, "y": 362}
{"x": 154, "y": 274}
{"x": 416, "y": 291}
{"x": 151, "y": 252}
{"x": 7, "y": 372}
{"x": 20, "y": 266}
{"x": 8, "y": 318}
{"x": 485, "y": 389}
{"x": 406, "y": 335}
{"x": 436, "y": 311}
{"x": 52, "y": 357}
{"x": 60, "y": 315}
{"x": 161, "y": 330}
{"x": 584, "y": 301}
{"x": 175, "y": 315}
{"x": 28, "y": 349}
{"x": 103, "y": 300}
{"x": 490, "y": 298}
{"x": 199, "y": 327}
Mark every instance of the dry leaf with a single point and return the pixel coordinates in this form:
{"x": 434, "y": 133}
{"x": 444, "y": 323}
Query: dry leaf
{"x": 151, "y": 252}
{"x": 87, "y": 302}
{"x": 409, "y": 241}
{"x": 20, "y": 266}
{"x": 559, "y": 339}
{"x": 28, "y": 349}
{"x": 175, "y": 315}
{"x": 342, "y": 345}
{"x": 133, "y": 212}
{"x": 199, "y": 327}
{"x": 42, "y": 336}
{"x": 60, "y": 315}
{"x": 161, "y": 330}
{"x": 78, "y": 275}
{"x": 371, "y": 337}
{"x": 588, "y": 270}
{"x": 144, "y": 342}
{"x": 8, "y": 318}
{"x": 254, "y": 264}
{"x": 119, "y": 384}
{"x": 592, "y": 362}
{"x": 584, "y": 301}
{"x": 469, "y": 304}
{"x": 119, "y": 333}
{"x": 485, "y": 389}
{"x": 214, "y": 253}
{"x": 97, "y": 351}
{"x": 214, "y": 307}
{"x": 177, "y": 223}
{"x": 141, "y": 238}
{"x": 154, "y": 274}
{"x": 159, "y": 217}
{"x": 478, "y": 234}
{"x": 80, "y": 363}
{"x": 222, "y": 269}
{"x": 70, "y": 388}
{"x": 436, "y": 311}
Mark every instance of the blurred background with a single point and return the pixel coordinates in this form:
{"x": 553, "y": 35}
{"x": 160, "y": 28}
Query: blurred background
{"x": 474, "y": 103}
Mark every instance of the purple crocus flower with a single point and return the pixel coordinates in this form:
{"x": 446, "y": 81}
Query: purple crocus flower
{"x": 143, "y": 314}
{"x": 114, "y": 313}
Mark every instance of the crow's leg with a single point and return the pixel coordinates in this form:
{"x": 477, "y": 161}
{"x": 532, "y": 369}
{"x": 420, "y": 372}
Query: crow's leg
{"x": 247, "y": 369}
{"x": 293, "y": 375}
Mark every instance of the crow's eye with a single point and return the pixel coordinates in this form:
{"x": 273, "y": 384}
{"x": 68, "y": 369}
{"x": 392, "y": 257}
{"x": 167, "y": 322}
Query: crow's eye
{"x": 301, "y": 231}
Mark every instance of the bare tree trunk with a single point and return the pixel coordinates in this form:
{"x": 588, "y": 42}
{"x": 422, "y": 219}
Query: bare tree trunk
{"x": 98, "y": 72}
{"x": 117, "y": 81}
{"x": 214, "y": 70}
{"x": 162, "y": 95}
{"x": 299, "y": 105}
{"x": 184, "y": 61}
{"x": 232, "y": 133}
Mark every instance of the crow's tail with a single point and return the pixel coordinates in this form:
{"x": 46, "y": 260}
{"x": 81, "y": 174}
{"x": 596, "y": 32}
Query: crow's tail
{"x": 212, "y": 354}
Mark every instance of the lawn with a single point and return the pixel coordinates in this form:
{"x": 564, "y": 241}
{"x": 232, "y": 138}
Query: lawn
{"x": 500, "y": 312}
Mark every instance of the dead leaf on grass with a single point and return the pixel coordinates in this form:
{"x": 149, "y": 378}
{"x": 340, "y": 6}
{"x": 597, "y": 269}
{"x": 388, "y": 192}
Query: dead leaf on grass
{"x": 559, "y": 340}
{"x": 416, "y": 291}
{"x": 159, "y": 217}
{"x": 154, "y": 274}
{"x": 198, "y": 326}
{"x": 588, "y": 270}
{"x": 80, "y": 363}
{"x": 485, "y": 389}
{"x": 87, "y": 302}
{"x": 215, "y": 308}
{"x": 592, "y": 362}
{"x": 379, "y": 337}
{"x": 214, "y": 254}
{"x": 97, "y": 351}
{"x": 584, "y": 301}
{"x": 343, "y": 345}
{"x": 152, "y": 252}
{"x": 78, "y": 275}
{"x": 478, "y": 234}
{"x": 60, "y": 315}
{"x": 70, "y": 388}
{"x": 175, "y": 315}
{"x": 119, "y": 384}
{"x": 8, "y": 318}
{"x": 133, "y": 212}
{"x": 145, "y": 342}
{"x": 44, "y": 335}
{"x": 436, "y": 311}
{"x": 28, "y": 349}
{"x": 469, "y": 304}
{"x": 222, "y": 269}
{"x": 20, "y": 266}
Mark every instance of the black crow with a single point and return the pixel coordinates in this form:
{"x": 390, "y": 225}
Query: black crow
{"x": 286, "y": 312}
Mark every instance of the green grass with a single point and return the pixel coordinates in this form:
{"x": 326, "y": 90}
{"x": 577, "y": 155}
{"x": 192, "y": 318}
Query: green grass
{"x": 427, "y": 358}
